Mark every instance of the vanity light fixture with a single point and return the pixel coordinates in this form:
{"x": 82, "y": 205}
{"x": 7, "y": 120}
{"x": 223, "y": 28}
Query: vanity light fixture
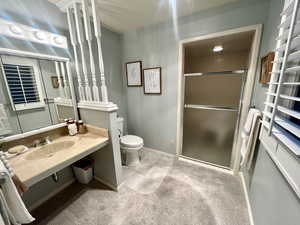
{"x": 16, "y": 30}
{"x": 20, "y": 31}
{"x": 218, "y": 48}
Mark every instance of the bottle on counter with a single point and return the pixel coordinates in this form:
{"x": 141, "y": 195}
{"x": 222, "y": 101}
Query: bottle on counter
{"x": 81, "y": 127}
{"x": 72, "y": 127}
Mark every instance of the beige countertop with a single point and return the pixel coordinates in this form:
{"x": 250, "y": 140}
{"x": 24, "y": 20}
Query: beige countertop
{"x": 31, "y": 171}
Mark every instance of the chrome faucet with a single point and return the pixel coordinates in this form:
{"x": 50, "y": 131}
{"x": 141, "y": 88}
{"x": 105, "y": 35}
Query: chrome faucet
{"x": 40, "y": 142}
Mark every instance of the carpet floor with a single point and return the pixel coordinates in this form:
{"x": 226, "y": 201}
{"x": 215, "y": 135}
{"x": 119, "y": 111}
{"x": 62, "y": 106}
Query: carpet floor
{"x": 161, "y": 191}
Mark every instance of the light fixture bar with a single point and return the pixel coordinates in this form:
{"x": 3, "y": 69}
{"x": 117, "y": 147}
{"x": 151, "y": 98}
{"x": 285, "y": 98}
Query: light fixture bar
{"x": 23, "y": 32}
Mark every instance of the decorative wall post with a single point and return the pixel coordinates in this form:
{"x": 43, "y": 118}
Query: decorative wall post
{"x": 80, "y": 36}
{"x": 97, "y": 28}
{"x": 88, "y": 36}
{"x": 74, "y": 42}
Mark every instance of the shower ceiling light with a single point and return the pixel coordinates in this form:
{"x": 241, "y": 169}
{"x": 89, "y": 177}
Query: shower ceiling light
{"x": 218, "y": 48}
{"x": 15, "y": 29}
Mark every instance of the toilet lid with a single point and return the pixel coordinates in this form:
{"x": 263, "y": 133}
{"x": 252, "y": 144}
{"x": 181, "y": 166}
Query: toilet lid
{"x": 131, "y": 141}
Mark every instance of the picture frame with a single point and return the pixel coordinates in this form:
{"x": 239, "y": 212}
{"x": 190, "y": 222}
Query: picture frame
{"x": 152, "y": 81}
{"x": 266, "y": 68}
{"x": 55, "y": 83}
{"x": 134, "y": 74}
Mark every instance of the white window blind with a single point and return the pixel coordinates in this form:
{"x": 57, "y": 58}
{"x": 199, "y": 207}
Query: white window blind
{"x": 22, "y": 86}
{"x": 282, "y": 107}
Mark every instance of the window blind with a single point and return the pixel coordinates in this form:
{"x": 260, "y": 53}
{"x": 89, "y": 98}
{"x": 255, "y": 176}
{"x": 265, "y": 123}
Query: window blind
{"x": 282, "y": 111}
{"x": 21, "y": 83}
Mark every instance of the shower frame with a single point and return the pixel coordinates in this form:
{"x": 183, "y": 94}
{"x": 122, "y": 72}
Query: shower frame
{"x": 247, "y": 94}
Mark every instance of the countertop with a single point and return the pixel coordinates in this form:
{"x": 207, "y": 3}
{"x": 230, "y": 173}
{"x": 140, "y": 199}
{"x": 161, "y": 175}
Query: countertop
{"x": 31, "y": 171}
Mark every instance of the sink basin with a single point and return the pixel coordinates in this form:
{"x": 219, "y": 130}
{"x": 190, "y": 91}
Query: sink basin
{"x": 49, "y": 150}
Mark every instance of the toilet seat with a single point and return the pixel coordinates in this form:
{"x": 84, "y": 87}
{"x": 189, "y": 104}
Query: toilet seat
{"x": 131, "y": 142}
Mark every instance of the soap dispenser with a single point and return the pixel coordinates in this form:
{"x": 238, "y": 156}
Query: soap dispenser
{"x": 72, "y": 127}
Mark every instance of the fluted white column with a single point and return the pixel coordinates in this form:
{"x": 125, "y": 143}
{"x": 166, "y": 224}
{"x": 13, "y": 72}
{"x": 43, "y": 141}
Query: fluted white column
{"x": 60, "y": 83}
{"x": 65, "y": 81}
{"x": 88, "y": 36}
{"x": 97, "y": 30}
{"x": 73, "y": 37}
{"x": 80, "y": 37}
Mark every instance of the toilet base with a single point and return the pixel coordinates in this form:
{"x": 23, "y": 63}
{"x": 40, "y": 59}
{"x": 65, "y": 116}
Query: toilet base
{"x": 131, "y": 158}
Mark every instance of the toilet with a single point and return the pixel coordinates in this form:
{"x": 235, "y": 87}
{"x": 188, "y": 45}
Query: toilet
{"x": 130, "y": 145}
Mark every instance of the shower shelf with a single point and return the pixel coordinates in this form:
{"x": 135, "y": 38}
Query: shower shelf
{"x": 216, "y": 73}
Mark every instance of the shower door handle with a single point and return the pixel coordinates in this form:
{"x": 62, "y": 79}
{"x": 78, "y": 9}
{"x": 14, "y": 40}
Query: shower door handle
{"x": 209, "y": 107}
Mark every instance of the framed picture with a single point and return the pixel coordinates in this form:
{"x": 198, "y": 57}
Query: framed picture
{"x": 134, "y": 74}
{"x": 55, "y": 83}
{"x": 266, "y": 68}
{"x": 152, "y": 80}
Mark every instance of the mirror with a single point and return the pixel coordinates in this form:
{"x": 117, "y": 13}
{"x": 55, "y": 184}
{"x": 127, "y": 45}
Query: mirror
{"x": 34, "y": 93}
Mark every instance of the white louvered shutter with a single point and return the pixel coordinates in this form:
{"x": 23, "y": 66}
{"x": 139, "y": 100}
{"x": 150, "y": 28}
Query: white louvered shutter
{"x": 282, "y": 107}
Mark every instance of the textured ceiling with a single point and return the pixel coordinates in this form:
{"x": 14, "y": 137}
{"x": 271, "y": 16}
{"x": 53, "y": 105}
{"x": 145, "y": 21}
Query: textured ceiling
{"x": 125, "y": 15}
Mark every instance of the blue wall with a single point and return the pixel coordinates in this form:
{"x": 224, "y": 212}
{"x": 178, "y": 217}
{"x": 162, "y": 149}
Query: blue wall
{"x": 154, "y": 117}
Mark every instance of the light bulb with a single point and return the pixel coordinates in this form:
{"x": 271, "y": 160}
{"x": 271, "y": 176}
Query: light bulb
{"x": 15, "y": 29}
{"x": 218, "y": 48}
{"x": 58, "y": 40}
{"x": 40, "y": 35}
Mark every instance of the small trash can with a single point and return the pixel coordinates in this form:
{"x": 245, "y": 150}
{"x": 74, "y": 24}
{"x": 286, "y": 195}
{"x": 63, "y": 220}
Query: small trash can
{"x": 83, "y": 170}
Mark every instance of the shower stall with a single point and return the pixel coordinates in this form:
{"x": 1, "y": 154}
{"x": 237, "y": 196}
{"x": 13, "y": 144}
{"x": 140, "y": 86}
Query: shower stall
{"x": 213, "y": 89}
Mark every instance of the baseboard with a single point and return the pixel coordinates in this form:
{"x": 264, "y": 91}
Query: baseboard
{"x": 206, "y": 165}
{"x": 50, "y": 195}
{"x": 106, "y": 183}
{"x": 246, "y": 193}
{"x": 158, "y": 151}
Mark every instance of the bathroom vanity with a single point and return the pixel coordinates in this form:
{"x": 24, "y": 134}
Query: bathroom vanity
{"x": 37, "y": 163}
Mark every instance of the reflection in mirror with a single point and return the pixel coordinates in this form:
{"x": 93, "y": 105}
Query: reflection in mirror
{"x": 35, "y": 93}
{"x": 57, "y": 88}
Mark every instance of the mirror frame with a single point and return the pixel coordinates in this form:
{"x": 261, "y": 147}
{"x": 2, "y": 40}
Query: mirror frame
{"x": 20, "y": 53}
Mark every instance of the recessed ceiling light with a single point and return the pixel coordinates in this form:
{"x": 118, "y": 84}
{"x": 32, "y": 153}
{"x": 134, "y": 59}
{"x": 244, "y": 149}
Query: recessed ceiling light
{"x": 58, "y": 40}
{"x": 15, "y": 29}
{"x": 218, "y": 48}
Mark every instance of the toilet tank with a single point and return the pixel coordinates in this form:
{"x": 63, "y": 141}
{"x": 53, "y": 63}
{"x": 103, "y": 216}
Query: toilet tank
{"x": 120, "y": 122}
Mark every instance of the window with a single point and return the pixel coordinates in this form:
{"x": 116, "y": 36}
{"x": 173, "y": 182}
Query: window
{"x": 23, "y": 86}
{"x": 296, "y": 107}
{"x": 282, "y": 111}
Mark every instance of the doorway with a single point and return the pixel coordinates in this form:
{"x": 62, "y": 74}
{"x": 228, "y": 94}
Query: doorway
{"x": 215, "y": 74}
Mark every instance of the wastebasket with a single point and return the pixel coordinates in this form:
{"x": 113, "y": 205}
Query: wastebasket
{"x": 83, "y": 170}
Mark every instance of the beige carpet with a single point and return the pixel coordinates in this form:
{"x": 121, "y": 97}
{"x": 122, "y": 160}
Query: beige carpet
{"x": 162, "y": 191}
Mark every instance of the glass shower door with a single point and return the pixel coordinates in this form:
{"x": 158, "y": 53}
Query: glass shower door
{"x": 211, "y": 109}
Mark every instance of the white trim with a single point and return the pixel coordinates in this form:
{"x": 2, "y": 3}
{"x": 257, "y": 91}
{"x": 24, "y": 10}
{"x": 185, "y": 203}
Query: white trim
{"x": 246, "y": 193}
{"x": 206, "y": 165}
{"x": 50, "y": 195}
{"x": 20, "y": 53}
{"x": 34, "y": 132}
{"x": 106, "y": 183}
{"x": 248, "y": 91}
{"x": 63, "y": 5}
{"x": 100, "y": 106}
